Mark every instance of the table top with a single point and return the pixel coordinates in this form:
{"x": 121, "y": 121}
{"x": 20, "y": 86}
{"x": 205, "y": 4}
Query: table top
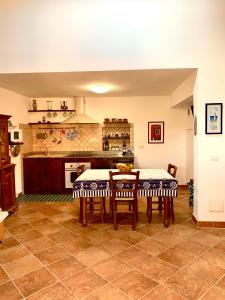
{"x": 152, "y": 182}
{"x": 145, "y": 174}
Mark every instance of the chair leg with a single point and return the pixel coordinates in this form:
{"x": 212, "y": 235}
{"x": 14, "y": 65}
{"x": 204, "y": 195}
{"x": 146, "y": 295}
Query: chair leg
{"x": 101, "y": 210}
{"x": 149, "y": 200}
{"x": 103, "y": 199}
{"x": 147, "y": 206}
{"x": 134, "y": 220}
{"x": 160, "y": 204}
{"x": 171, "y": 209}
{"x": 91, "y": 205}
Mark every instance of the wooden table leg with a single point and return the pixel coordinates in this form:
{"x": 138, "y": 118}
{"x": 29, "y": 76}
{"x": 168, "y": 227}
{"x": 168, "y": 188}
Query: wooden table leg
{"x": 81, "y": 209}
{"x": 166, "y": 205}
{"x": 84, "y": 212}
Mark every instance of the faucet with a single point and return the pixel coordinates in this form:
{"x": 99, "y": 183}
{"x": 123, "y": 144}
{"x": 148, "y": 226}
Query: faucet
{"x": 46, "y": 152}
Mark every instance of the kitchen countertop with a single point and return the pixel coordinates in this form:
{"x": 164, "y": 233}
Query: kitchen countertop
{"x": 79, "y": 154}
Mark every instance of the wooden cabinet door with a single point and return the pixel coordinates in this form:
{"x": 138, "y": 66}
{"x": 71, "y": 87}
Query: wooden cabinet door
{"x": 42, "y": 175}
{"x": 51, "y": 181}
{"x": 32, "y": 172}
{"x": 7, "y": 187}
{"x": 101, "y": 163}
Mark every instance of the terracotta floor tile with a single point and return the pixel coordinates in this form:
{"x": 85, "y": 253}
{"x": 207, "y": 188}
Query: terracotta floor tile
{"x": 132, "y": 256}
{"x": 12, "y": 253}
{"x": 183, "y": 231}
{"x": 148, "y": 230}
{"x": 111, "y": 268}
{"x": 205, "y": 270}
{"x": 8, "y": 291}
{"x": 51, "y": 255}
{"x": 114, "y": 246}
{"x": 162, "y": 293}
{"x": 59, "y": 217}
{"x": 34, "y": 281}
{"x": 42, "y": 223}
{"x": 66, "y": 267}
{"x": 168, "y": 238}
{"x": 57, "y": 292}
{"x": 92, "y": 255}
{"x": 62, "y": 235}
{"x": 187, "y": 285}
{"x": 28, "y": 236}
{"x": 151, "y": 246}
{"x": 214, "y": 294}
{"x": 221, "y": 246}
{"x": 21, "y": 228}
{"x": 221, "y": 283}
{"x": 22, "y": 266}
{"x": 135, "y": 284}
{"x": 75, "y": 246}
{"x": 98, "y": 236}
{"x": 206, "y": 239}
{"x": 8, "y": 242}
{"x": 22, "y": 211}
{"x": 3, "y": 276}
{"x": 191, "y": 247}
{"x": 108, "y": 292}
{"x": 84, "y": 283}
{"x": 39, "y": 244}
{"x": 155, "y": 268}
{"x": 133, "y": 237}
{"x": 176, "y": 257}
{"x": 220, "y": 232}
{"x": 33, "y": 217}
{"x": 215, "y": 256}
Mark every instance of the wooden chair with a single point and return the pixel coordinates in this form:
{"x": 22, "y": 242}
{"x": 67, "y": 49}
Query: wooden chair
{"x": 91, "y": 207}
{"x": 172, "y": 170}
{"x": 124, "y": 191}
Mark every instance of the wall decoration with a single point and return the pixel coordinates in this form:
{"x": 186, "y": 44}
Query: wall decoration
{"x": 155, "y": 132}
{"x": 213, "y": 118}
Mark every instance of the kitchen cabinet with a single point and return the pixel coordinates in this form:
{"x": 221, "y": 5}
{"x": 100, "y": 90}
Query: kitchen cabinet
{"x": 7, "y": 187}
{"x": 42, "y": 175}
{"x": 7, "y": 170}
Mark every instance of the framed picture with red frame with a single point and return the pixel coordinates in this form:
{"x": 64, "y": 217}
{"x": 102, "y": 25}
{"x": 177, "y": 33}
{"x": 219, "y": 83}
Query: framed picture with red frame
{"x": 156, "y": 132}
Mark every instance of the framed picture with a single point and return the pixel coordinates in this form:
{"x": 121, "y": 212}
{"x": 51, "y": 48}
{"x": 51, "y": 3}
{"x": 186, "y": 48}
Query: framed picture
{"x": 213, "y": 118}
{"x": 155, "y": 132}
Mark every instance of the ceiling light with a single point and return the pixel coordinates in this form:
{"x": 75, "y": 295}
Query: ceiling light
{"x": 99, "y": 89}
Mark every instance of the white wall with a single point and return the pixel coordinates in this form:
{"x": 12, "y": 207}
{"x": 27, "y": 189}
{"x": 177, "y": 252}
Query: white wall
{"x": 49, "y": 35}
{"x": 140, "y": 111}
{"x": 16, "y": 106}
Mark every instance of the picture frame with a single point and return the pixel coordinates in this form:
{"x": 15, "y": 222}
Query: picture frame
{"x": 213, "y": 118}
{"x": 156, "y": 132}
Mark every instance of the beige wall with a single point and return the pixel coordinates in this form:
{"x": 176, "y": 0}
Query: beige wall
{"x": 16, "y": 106}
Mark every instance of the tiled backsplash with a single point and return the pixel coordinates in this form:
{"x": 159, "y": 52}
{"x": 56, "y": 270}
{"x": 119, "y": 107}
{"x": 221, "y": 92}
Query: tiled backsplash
{"x": 64, "y": 137}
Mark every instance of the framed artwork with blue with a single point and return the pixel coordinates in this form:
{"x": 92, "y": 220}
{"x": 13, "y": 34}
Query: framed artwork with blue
{"x": 214, "y": 118}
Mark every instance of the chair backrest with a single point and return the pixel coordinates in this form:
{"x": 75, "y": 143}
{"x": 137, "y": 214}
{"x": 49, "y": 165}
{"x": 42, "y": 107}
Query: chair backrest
{"x": 80, "y": 169}
{"x": 124, "y": 184}
{"x": 172, "y": 170}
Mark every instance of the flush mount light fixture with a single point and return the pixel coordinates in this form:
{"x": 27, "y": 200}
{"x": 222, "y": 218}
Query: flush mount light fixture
{"x": 99, "y": 88}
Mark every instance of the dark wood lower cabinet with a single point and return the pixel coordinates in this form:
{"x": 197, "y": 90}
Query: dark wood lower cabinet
{"x": 42, "y": 175}
{"x": 47, "y": 175}
{"x": 7, "y": 187}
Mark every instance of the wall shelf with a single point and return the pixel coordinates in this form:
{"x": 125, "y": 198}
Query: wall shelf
{"x": 49, "y": 110}
{"x": 44, "y": 123}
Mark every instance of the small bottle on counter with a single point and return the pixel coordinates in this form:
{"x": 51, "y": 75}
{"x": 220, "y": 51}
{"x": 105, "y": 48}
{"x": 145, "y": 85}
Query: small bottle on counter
{"x": 124, "y": 148}
{"x": 106, "y": 144}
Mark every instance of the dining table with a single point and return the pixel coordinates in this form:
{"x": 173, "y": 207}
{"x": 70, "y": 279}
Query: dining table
{"x": 152, "y": 183}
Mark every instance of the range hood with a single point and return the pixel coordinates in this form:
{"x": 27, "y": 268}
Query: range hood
{"x": 80, "y": 112}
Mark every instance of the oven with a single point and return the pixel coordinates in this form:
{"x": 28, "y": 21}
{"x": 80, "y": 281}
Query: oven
{"x": 71, "y": 172}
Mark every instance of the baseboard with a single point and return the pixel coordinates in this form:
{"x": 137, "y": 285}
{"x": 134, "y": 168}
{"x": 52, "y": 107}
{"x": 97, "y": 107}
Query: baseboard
{"x": 211, "y": 224}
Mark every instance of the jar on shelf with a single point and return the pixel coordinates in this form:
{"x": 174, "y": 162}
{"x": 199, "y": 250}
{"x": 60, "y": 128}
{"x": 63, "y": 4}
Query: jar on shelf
{"x": 34, "y": 104}
{"x": 49, "y": 105}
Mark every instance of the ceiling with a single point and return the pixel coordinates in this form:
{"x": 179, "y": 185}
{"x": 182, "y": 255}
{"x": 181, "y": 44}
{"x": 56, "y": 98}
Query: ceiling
{"x": 123, "y": 83}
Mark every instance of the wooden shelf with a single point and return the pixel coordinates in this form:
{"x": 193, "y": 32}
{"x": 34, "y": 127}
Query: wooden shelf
{"x": 44, "y": 123}
{"x": 49, "y": 110}
{"x": 117, "y": 138}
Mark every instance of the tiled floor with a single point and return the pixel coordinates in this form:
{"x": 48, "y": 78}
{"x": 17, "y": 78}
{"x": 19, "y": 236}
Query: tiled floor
{"x": 47, "y": 254}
